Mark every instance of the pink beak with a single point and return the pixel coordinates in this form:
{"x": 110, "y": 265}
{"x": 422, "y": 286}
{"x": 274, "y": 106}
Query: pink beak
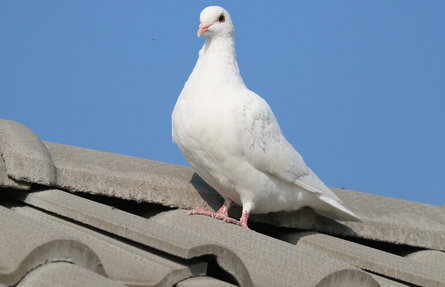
{"x": 203, "y": 27}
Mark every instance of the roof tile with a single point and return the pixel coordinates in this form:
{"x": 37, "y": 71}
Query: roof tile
{"x": 166, "y": 246}
{"x": 368, "y": 258}
{"x": 131, "y": 178}
{"x": 27, "y": 244}
{"x": 124, "y": 262}
{"x": 203, "y": 281}
{"x": 26, "y": 157}
{"x": 384, "y": 219}
{"x": 386, "y": 282}
{"x": 431, "y": 257}
{"x": 135, "y": 228}
{"x": 6, "y": 181}
{"x": 270, "y": 262}
{"x": 65, "y": 274}
{"x": 78, "y": 169}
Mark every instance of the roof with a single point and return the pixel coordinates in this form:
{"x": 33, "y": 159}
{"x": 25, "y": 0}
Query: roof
{"x": 73, "y": 216}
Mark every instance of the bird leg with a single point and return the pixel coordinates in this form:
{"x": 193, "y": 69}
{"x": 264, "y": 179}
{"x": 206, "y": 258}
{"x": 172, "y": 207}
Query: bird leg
{"x": 242, "y": 222}
{"x": 247, "y": 208}
{"x": 221, "y": 214}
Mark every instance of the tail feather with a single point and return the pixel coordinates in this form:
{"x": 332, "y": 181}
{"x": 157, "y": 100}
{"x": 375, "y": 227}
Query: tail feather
{"x": 335, "y": 210}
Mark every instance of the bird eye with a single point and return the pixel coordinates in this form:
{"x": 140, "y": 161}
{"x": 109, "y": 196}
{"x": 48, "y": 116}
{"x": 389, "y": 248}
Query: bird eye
{"x": 221, "y": 18}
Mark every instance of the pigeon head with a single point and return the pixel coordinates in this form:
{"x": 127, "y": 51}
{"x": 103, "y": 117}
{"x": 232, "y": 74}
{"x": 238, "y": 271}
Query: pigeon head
{"x": 215, "y": 21}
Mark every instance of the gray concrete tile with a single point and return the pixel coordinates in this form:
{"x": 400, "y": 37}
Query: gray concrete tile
{"x": 431, "y": 257}
{"x": 122, "y": 262}
{"x": 203, "y": 281}
{"x": 131, "y": 178}
{"x": 396, "y": 221}
{"x": 385, "y": 282}
{"x": 26, "y": 244}
{"x": 135, "y": 228}
{"x": 368, "y": 258}
{"x": 76, "y": 169}
{"x": 6, "y": 181}
{"x": 62, "y": 274}
{"x": 270, "y": 262}
{"x": 26, "y": 157}
{"x": 385, "y": 219}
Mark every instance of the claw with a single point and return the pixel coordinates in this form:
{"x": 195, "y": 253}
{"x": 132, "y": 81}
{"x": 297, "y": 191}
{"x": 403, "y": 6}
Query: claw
{"x": 236, "y": 222}
{"x": 222, "y": 214}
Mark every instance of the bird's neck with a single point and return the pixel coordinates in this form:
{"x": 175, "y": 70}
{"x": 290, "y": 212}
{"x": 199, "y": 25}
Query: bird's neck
{"x": 220, "y": 46}
{"x": 218, "y": 57}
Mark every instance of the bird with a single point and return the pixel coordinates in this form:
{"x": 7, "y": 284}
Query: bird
{"x": 232, "y": 140}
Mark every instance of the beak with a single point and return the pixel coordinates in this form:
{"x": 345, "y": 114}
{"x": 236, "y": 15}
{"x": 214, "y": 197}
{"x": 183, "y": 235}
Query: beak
{"x": 203, "y": 27}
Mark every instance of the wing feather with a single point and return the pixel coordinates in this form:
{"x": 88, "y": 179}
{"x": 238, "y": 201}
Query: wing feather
{"x": 269, "y": 152}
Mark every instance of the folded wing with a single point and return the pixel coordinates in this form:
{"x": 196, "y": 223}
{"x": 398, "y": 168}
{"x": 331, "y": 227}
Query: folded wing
{"x": 268, "y": 151}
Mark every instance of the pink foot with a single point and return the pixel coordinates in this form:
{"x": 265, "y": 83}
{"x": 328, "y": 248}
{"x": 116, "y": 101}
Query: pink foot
{"x": 222, "y": 214}
{"x": 242, "y": 222}
{"x": 236, "y": 222}
{"x": 200, "y": 211}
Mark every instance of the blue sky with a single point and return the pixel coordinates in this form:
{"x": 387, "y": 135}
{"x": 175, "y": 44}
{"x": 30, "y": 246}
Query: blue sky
{"x": 358, "y": 87}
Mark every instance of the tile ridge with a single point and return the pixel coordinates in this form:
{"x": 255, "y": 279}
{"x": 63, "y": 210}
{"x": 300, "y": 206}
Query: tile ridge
{"x": 25, "y": 156}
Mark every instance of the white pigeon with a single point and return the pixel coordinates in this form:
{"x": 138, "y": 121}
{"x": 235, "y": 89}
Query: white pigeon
{"x": 231, "y": 138}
